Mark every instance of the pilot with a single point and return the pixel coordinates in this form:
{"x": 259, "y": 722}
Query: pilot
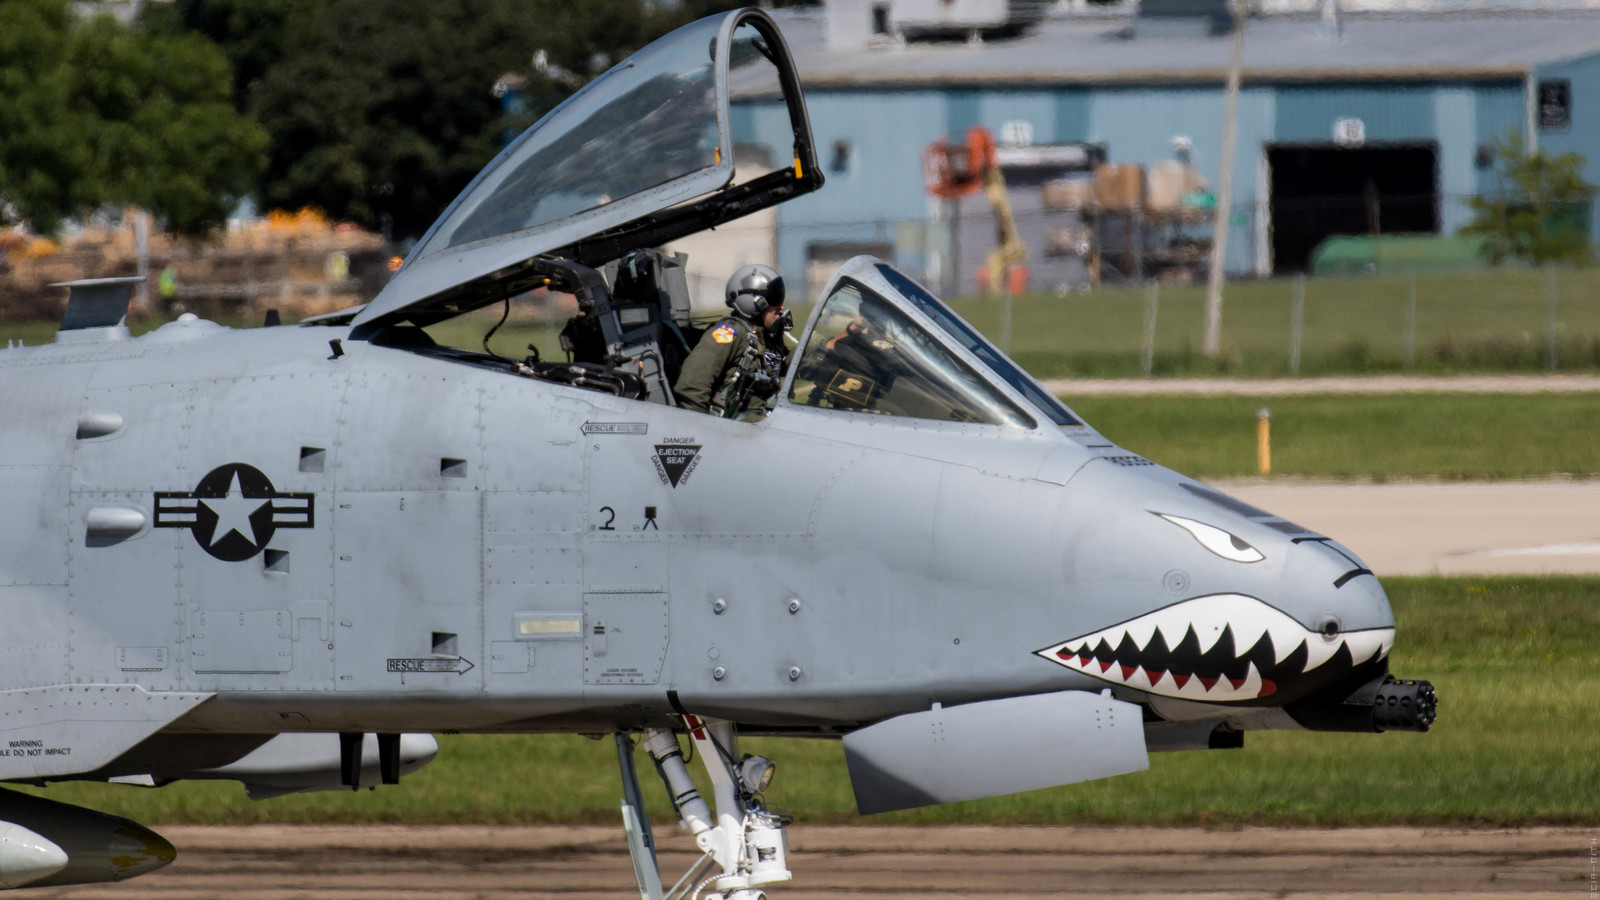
{"x": 736, "y": 367}
{"x": 855, "y": 368}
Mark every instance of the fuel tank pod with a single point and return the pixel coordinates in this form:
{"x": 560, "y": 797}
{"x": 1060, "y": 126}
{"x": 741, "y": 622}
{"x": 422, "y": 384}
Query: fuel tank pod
{"x": 26, "y": 857}
{"x": 84, "y": 846}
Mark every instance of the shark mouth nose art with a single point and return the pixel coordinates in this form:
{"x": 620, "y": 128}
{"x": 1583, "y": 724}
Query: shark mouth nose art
{"x": 1220, "y": 648}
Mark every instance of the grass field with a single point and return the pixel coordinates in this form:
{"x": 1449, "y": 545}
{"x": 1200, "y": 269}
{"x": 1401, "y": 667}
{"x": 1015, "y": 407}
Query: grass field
{"x": 1449, "y": 436}
{"x": 1515, "y": 661}
{"x": 1492, "y": 320}
{"x": 1488, "y": 320}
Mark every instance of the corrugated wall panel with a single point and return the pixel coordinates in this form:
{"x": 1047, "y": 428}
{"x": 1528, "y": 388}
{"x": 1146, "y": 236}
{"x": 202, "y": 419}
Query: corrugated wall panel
{"x": 1583, "y": 135}
{"x": 1037, "y": 108}
{"x": 1500, "y": 110}
{"x": 1138, "y": 124}
{"x": 1455, "y": 124}
{"x": 1389, "y": 112}
{"x": 1072, "y": 114}
{"x": 962, "y": 109}
{"x": 887, "y": 130}
{"x": 881, "y": 181}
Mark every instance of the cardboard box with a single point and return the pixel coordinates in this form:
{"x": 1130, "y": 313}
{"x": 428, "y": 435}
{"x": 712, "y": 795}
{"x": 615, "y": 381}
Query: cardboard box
{"x": 1119, "y": 186}
{"x": 1168, "y": 181}
{"x": 1069, "y": 193}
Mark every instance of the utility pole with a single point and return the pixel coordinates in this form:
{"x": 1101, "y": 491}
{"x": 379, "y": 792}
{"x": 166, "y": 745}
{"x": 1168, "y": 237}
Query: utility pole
{"x": 1219, "y": 230}
{"x": 141, "y": 243}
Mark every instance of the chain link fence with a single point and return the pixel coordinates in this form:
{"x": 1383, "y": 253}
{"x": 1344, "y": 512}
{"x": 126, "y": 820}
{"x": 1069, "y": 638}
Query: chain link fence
{"x": 1374, "y": 283}
{"x": 1102, "y": 293}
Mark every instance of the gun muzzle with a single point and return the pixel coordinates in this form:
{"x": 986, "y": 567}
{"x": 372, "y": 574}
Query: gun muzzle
{"x": 1376, "y": 704}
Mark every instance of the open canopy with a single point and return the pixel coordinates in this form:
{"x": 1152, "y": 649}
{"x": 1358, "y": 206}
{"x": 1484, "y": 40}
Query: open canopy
{"x": 640, "y": 156}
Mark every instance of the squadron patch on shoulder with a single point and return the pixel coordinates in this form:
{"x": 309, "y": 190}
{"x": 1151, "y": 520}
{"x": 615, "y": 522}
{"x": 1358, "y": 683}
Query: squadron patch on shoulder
{"x": 724, "y": 333}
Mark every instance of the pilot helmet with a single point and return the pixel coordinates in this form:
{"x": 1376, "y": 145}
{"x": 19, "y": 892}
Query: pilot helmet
{"x": 753, "y": 289}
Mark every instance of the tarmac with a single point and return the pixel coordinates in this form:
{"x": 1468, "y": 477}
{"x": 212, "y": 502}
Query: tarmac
{"x": 1416, "y": 528}
{"x": 384, "y": 862}
{"x": 1451, "y": 528}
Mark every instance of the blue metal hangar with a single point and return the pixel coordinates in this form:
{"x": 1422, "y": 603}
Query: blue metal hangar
{"x": 1347, "y": 121}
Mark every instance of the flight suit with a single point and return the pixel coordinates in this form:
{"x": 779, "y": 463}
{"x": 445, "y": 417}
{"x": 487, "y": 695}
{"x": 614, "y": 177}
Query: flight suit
{"x": 712, "y": 369}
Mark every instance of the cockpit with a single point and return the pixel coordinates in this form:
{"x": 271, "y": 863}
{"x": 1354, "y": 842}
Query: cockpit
{"x": 866, "y": 352}
{"x": 639, "y": 157}
{"x": 866, "y": 356}
{"x": 663, "y": 99}
{"x": 583, "y": 201}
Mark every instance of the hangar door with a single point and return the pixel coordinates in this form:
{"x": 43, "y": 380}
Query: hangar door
{"x": 1320, "y": 190}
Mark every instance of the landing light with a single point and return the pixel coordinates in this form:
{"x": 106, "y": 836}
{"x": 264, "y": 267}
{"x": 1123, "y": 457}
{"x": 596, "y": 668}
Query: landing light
{"x": 755, "y": 773}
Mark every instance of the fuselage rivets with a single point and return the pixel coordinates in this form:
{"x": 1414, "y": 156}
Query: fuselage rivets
{"x": 794, "y": 605}
{"x": 794, "y": 673}
{"x": 719, "y": 673}
{"x": 719, "y": 606}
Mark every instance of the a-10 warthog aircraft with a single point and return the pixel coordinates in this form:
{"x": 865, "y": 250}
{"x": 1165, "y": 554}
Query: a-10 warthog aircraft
{"x": 287, "y": 555}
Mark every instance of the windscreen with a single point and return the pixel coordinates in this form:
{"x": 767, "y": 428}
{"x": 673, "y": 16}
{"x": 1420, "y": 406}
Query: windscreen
{"x": 864, "y": 355}
{"x": 968, "y": 337}
{"x": 648, "y": 121}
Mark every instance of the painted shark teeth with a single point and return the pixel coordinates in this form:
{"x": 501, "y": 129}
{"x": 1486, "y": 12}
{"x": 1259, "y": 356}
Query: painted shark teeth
{"x": 1220, "y": 648}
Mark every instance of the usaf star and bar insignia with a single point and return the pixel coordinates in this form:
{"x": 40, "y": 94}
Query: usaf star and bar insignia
{"x": 234, "y": 511}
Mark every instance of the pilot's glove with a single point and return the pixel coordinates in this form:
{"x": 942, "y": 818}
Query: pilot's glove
{"x": 763, "y": 385}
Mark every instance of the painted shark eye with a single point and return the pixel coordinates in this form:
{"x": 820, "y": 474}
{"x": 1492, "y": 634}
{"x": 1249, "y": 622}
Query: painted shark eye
{"x": 1216, "y": 540}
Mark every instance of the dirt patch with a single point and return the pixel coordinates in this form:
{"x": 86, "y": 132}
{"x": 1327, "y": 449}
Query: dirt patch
{"x": 957, "y": 862}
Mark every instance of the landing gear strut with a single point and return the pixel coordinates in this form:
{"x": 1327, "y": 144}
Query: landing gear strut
{"x": 743, "y": 840}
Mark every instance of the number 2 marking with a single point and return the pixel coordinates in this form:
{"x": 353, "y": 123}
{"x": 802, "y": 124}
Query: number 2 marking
{"x": 611, "y": 516}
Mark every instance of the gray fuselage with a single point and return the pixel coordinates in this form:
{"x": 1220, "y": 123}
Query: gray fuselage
{"x": 484, "y": 552}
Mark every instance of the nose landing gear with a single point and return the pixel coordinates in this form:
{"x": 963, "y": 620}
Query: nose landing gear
{"x": 745, "y": 841}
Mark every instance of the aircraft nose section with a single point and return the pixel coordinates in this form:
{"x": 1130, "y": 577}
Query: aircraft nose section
{"x": 1330, "y": 590}
{"x": 1219, "y": 602}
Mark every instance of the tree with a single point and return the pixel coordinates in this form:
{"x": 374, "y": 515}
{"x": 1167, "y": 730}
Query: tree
{"x": 380, "y": 113}
{"x": 44, "y": 163}
{"x": 93, "y": 112}
{"x": 1538, "y": 215}
{"x": 253, "y": 34}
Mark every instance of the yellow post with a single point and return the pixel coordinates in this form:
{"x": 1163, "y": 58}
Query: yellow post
{"x": 1264, "y": 440}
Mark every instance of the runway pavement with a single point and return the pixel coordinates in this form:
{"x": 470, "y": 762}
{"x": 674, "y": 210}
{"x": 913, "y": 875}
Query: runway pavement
{"x": 1417, "y": 528}
{"x": 1453, "y": 528}
{"x": 951, "y": 862}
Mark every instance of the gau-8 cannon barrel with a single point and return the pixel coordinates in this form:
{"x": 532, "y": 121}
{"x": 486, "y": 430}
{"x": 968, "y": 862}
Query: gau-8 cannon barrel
{"x": 1375, "y": 704}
